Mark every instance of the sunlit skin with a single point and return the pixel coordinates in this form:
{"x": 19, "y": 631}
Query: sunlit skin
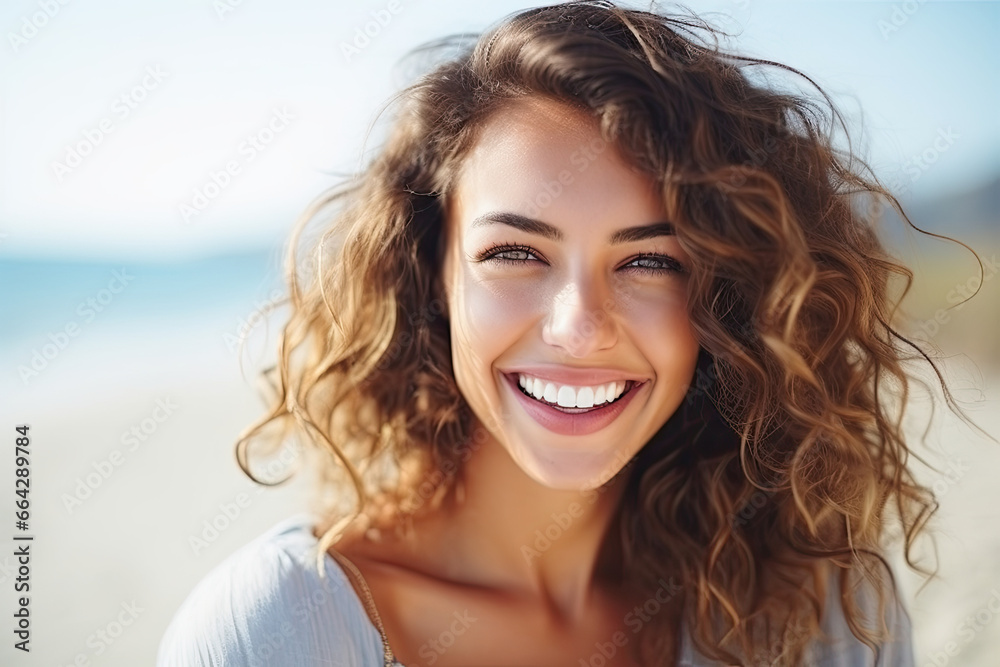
{"x": 579, "y": 302}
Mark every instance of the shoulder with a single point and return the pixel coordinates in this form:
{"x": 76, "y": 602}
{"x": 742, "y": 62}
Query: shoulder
{"x": 267, "y": 604}
{"x": 836, "y": 646}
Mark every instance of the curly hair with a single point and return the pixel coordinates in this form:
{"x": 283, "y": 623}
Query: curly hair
{"x": 783, "y": 470}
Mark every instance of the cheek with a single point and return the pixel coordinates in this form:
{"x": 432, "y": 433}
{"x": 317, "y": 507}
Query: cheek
{"x": 654, "y": 305}
{"x": 485, "y": 320}
{"x": 661, "y": 326}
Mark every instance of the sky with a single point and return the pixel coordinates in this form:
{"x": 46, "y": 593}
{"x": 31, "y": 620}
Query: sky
{"x": 174, "y": 129}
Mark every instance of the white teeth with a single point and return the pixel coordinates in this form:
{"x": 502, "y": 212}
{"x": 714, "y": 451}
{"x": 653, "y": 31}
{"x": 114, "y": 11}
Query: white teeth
{"x": 569, "y": 396}
{"x": 537, "y": 388}
{"x": 584, "y": 398}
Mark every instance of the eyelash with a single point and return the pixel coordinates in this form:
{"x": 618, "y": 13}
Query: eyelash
{"x": 489, "y": 255}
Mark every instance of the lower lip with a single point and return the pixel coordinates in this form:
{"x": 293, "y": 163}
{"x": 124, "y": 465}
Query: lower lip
{"x": 564, "y": 423}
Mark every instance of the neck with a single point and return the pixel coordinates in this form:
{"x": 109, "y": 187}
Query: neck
{"x": 506, "y": 531}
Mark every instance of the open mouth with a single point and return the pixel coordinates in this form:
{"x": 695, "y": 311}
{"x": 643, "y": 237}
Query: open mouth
{"x": 629, "y": 386}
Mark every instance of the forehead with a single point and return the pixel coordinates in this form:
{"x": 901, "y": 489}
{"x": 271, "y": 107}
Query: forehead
{"x": 545, "y": 159}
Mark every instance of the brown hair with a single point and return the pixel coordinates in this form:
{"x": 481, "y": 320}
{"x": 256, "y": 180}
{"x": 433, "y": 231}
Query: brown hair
{"x": 784, "y": 459}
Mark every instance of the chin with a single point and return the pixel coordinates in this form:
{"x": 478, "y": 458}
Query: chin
{"x": 565, "y": 469}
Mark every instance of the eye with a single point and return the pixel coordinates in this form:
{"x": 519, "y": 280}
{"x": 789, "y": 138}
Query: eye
{"x": 668, "y": 264}
{"x": 494, "y": 252}
{"x": 640, "y": 263}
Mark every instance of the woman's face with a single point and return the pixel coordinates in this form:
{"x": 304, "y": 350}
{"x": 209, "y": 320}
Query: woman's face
{"x": 573, "y": 305}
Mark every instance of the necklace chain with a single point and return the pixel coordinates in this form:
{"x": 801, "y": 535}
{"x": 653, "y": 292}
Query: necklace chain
{"x": 390, "y": 659}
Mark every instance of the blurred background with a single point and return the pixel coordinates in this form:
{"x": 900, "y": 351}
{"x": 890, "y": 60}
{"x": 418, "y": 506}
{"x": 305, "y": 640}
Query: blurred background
{"x": 153, "y": 158}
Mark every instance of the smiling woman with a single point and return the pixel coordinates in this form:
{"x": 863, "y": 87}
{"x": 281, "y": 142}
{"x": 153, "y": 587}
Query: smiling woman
{"x": 602, "y": 340}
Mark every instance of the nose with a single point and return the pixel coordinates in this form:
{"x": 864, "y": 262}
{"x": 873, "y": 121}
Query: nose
{"x": 580, "y": 321}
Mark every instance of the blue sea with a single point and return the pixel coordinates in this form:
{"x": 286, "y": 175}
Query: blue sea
{"x": 53, "y": 308}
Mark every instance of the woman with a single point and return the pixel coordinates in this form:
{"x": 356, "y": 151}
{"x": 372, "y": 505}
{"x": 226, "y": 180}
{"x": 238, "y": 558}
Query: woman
{"x": 598, "y": 338}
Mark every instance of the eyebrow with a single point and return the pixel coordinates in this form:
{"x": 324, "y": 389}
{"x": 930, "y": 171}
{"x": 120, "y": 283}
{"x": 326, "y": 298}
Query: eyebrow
{"x": 544, "y": 229}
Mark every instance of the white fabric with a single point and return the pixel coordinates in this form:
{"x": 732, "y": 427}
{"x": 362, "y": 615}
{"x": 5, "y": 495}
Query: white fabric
{"x": 266, "y": 606}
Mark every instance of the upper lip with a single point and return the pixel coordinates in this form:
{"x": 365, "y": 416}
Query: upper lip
{"x": 579, "y": 377}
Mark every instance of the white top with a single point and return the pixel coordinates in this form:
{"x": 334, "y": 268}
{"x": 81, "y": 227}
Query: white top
{"x": 266, "y": 606}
